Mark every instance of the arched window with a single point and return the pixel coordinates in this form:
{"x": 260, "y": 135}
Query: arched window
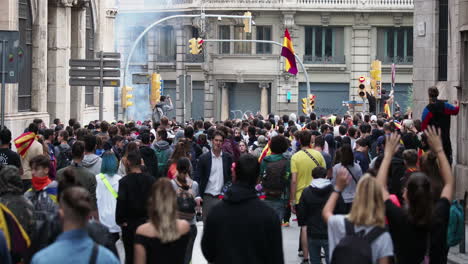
{"x": 25, "y": 67}
{"x": 89, "y": 90}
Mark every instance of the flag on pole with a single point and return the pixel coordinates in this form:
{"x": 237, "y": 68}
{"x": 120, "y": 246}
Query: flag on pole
{"x": 387, "y": 109}
{"x": 288, "y": 52}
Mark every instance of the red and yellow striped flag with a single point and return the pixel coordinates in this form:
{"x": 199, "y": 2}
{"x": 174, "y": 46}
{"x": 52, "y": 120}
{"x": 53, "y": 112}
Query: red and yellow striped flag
{"x": 288, "y": 52}
{"x": 265, "y": 152}
{"x": 387, "y": 110}
{"x": 23, "y": 142}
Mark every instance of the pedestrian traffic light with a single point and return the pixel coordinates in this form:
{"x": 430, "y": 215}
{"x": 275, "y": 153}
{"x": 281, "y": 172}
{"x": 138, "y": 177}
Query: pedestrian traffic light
{"x": 248, "y": 22}
{"x": 312, "y": 101}
{"x": 305, "y": 106}
{"x": 362, "y": 86}
{"x": 125, "y": 96}
{"x": 155, "y": 88}
{"x": 376, "y": 78}
{"x": 196, "y": 45}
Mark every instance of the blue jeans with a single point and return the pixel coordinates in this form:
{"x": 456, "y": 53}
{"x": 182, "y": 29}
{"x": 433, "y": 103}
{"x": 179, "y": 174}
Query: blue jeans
{"x": 278, "y": 206}
{"x": 315, "y": 246}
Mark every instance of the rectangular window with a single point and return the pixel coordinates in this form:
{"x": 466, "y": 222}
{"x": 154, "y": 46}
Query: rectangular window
{"x": 324, "y": 45}
{"x": 167, "y": 45}
{"x": 443, "y": 39}
{"x": 263, "y": 33}
{"x": 242, "y": 47}
{"x": 224, "y": 33}
{"x": 395, "y": 45}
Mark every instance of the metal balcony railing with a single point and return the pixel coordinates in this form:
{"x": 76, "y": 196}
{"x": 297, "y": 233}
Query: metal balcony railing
{"x": 194, "y": 58}
{"x": 408, "y": 60}
{"x": 309, "y": 59}
{"x": 165, "y": 58}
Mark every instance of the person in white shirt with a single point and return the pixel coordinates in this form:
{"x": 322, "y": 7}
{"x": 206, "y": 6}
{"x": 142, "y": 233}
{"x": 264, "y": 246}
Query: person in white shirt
{"x": 107, "y": 189}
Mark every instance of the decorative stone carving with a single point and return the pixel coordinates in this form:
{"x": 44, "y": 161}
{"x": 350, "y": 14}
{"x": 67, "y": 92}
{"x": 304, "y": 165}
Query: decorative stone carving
{"x": 265, "y": 85}
{"x": 362, "y": 19}
{"x": 81, "y": 3}
{"x": 398, "y": 19}
{"x": 288, "y": 19}
{"x": 63, "y": 3}
{"x": 325, "y": 19}
{"x": 111, "y": 12}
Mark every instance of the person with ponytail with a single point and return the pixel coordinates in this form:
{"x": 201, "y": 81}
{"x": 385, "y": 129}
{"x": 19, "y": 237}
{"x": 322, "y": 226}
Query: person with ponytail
{"x": 419, "y": 229}
{"x": 181, "y": 150}
{"x": 164, "y": 238}
{"x": 74, "y": 245}
{"x": 188, "y": 199}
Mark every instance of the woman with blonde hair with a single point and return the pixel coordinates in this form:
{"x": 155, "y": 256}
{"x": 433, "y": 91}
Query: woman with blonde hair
{"x": 164, "y": 238}
{"x": 367, "y": 217}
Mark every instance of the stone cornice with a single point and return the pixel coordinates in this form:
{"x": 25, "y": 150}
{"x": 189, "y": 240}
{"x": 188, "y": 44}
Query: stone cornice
{"x": 111, "y": 12}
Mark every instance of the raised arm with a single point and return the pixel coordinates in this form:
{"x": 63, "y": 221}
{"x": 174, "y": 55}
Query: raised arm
{"x": 391, "y": 146}
{"x": 435, "y": 143}
{"x": 342, "y": 180}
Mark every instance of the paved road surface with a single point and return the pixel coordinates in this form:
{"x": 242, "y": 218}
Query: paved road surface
{"x": 290, "y": 244}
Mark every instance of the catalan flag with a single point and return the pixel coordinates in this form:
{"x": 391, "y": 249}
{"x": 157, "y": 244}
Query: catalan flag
{"x": 265, "y": 152}
{"x": 288, "y": 52}
{"x": 23, "y": 142}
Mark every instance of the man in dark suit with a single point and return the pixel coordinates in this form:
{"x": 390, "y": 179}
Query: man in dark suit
{"x": 214, "y": 171}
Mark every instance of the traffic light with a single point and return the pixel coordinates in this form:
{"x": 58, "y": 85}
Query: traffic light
{"x": 196, "y": 45}
{"x": 247, "y": 22}
{"x": 362, "y": 86}
{"x": 155, "y": 88}
{"x": 305, "y": 107}
{"x": 376, "y": 78}
{"x": 312, "y": 101}
{"x": 125, "y": 96}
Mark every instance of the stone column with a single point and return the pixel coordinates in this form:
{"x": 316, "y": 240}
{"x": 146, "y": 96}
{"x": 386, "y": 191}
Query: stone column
{"x": 109, "y": 46}
{"x": 59, "y": 24}
{"x": 78, "y": 51}
{"x": 39, "y": 59}
{"x": 224, "y": 101}
{"x": 180, "y": 53}
{"x": 264, "y": 99}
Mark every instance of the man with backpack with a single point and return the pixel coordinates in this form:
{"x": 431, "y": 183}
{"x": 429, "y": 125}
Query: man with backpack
{"x": 162, "y": 108}
{"x": 163, "y": 150}
{"x": 63, "y": 151}
{"x": 312, "y": 202}
{"x": 43, "y": 193}
{"x": 275, "y": 172}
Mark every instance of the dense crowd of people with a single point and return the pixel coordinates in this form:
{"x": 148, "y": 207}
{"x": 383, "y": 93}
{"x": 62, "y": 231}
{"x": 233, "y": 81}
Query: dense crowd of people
{"x": 365, "y": 188}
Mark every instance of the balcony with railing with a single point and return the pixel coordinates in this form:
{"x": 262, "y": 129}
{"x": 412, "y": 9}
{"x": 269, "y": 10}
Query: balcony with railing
{"x": 310, "y": 59}
{"x": 303, "y": 5}
{"x": 401, "y": 60}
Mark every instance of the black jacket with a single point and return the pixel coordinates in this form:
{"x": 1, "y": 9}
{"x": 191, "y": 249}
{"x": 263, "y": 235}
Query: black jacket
{"x": 204, "y": 169}
{"x": 242, "y": 229}
{"x": 134, "y": 192}
{"x": 151, "y": 161}
{"x": 310, "y": 208}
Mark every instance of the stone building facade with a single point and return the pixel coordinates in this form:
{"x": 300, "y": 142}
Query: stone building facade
{"x": 51, "y": 33}
{"x": 441, "y": 59}
{"x": 336, "y": 40}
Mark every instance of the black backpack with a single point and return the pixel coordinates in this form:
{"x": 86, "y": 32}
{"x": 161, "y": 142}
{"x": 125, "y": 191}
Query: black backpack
{"x": 273, "y": 179}
{"x": 355, "y": 248}
{"x": 185, "y": 202}
{"x": 64, "y": 158}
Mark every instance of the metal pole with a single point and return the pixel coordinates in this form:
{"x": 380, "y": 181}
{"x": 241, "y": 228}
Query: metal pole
{"x": 101, "y": 86}
{"x": 306, "y": 75}
{"x": 4, "y": 43}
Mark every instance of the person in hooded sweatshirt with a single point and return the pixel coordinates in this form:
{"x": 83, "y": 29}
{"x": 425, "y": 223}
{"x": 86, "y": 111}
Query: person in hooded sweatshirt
{"x": 312, "y": 202}
{"x": 234, "y": 222}
{"x": 163, "y": 150}
{"x": 91, "y": 161}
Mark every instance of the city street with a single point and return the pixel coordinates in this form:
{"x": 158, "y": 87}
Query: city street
{"x": 290, "y": 244}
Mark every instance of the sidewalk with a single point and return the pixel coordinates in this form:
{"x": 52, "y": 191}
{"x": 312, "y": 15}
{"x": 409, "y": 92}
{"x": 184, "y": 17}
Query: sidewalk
{"x": 455, "y": 257}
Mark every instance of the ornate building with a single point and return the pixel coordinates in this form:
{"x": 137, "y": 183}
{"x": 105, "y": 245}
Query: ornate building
{"x": 441, "y": 59}
{"x": 51, "y": 33}
{"x": 336, "y": 40}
